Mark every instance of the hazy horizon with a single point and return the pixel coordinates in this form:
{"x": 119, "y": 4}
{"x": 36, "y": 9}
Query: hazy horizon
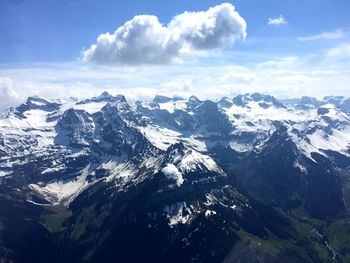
{"x": 209, "y": 49}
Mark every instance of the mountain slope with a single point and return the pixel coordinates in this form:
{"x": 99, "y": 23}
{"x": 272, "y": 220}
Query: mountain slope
{"x": 174, "y": 180}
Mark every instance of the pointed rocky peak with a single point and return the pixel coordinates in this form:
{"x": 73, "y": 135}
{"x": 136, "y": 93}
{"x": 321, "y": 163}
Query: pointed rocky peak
{"x": 211, "y": 117}
{"x": 340, "y": 102}
{"x": 120, "y": 110}
{"x": 225, "y": 102}
{"x": 121, "y": 103}
{"x": 208, "y": 105}
{"x": 257, "y": 97}
{"x": 334, "y": 99}
{"x": 266, "y": 101}
{"x": 109, "y": 108}
{"x": 37, "y": 102}
{"x": 279, "y": 139}
{"x": 240, "y": 100}
{"x": 138, "y": 103}
{"x": 70, "y": 113}
{"x": 345, "y": 105}
{"x": 309, "y": 102}
{"x": 8, "y": 113}
{"x": 69, "y": 117}
{"x": 193, "y": 99}
{"x": 73, "y": 99}
{"x": 118, "y": 103}
{"x": 72, "y": 116}
{"x": 120, "y": 98}
{"x": 74, "y": 128}
{"x": 193, "y": 102}
{"x": 145, "y": 107}
{"x": 304, "y": 103}
{"x": 161, "y": 99}
{"x": 104, "y": 95}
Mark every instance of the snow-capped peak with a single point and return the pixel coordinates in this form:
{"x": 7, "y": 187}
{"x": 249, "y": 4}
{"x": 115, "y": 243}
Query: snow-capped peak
{"x": 173, "y": 135}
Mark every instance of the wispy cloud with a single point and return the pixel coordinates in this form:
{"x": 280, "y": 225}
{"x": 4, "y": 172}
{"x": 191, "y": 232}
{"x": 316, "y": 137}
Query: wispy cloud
{"x": 277, "y": 21}
{"x": 290, "y": 76}
{"x": 339, "y": 52}
{"x": 337, "y": 34}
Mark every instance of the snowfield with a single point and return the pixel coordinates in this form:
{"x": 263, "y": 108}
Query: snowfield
{"x": 105, "y": 130}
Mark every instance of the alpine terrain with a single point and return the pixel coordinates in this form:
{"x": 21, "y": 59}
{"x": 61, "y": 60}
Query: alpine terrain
{"x": 244, "y": 179}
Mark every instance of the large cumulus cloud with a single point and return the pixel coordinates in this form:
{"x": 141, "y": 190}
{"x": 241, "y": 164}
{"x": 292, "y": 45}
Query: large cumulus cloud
{"x": 144, "y": 40}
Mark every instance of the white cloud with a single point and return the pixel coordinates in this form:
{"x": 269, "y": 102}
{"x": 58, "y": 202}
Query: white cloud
{"x": 8, "y": 95}
{"x": 324, "y": 73}
{"x": 240, "y": 77}
{"x": 279, "y": 63}
{"x": 340, "y": 52}
{"x": 277, "y": 21}
{"x": 144, "y": 40}
{"x": 337, "y": 34}
{"x": 14, "y": 90}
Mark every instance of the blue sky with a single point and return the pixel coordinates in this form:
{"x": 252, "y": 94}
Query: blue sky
{"x": 41, "y": 36}
{"x": 41, "y": 30}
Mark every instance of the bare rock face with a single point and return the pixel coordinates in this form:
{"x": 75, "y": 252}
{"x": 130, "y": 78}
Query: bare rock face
{"x": 248, "y": 179}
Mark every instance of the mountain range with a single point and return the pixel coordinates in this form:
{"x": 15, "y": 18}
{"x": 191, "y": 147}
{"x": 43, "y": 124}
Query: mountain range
{"x": 244, "y": 179}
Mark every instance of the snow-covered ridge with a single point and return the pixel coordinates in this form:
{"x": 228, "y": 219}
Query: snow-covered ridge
{"x": 117, "y": 139}
{"x": 170, "y": 120}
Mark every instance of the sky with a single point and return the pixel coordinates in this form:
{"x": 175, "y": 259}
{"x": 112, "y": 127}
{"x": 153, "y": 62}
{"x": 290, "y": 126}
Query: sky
{"x": 207, "y": 48}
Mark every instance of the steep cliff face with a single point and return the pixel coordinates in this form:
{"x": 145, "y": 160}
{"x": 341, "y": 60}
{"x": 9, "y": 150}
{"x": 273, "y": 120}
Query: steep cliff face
{"x": 248, "y": 178}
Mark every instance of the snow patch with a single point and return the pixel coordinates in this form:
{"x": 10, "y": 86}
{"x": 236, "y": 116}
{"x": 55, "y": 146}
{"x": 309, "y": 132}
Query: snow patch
{"x": 172, "y": 173}
{"x": 63, "y": 191}
{"x": 209, "y": 213}
{"x": 300, "y": 167}
{"x": 177, "y": 213}
{"x": 160, "y": 137}
{"x": 338, "y": 141}
{"x": 241, "y": 147}
{"x": 124, "y": 172}
{"x": 91, "y": 107}
{"x": 171, "y": 105}
{"x": 4, "y": 173}
{"x": 54, "y": 169}
{"x": 194, "y": 160}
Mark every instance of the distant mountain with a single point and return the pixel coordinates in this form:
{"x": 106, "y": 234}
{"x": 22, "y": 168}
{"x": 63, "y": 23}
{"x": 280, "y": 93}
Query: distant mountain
{"x": 243, "y": 179}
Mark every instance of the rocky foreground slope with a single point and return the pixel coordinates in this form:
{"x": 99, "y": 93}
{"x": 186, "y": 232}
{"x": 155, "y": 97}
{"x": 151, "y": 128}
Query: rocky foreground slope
{"x": 244, "y": 179}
